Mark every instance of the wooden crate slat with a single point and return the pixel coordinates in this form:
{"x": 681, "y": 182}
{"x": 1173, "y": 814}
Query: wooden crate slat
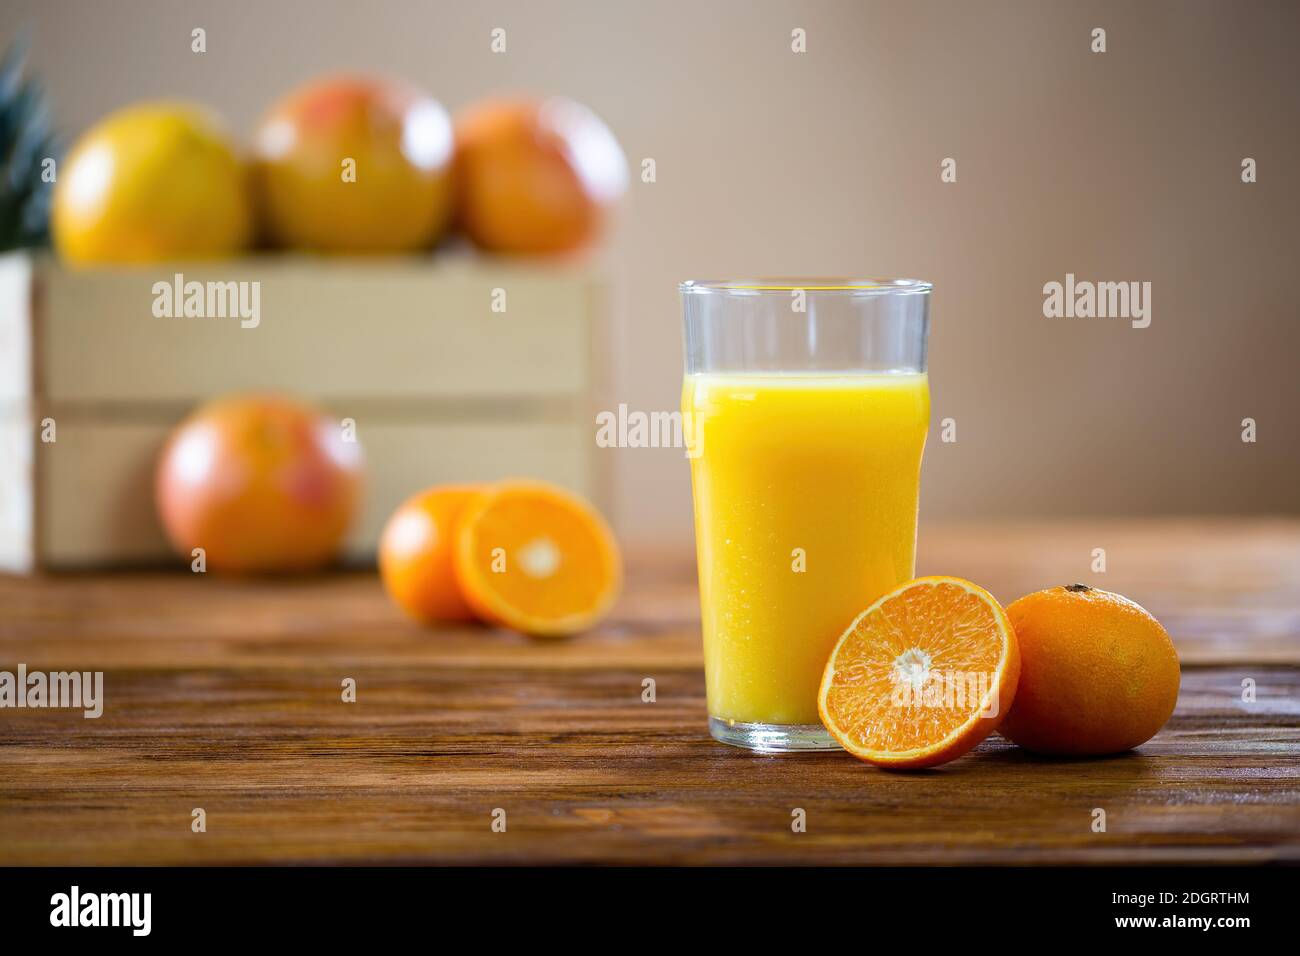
{"x": 385, "y": 329}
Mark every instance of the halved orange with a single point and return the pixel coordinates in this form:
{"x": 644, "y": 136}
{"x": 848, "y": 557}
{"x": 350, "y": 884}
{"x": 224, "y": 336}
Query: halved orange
{"x": 536, "y": 558}
{"x": 922, "y": 675}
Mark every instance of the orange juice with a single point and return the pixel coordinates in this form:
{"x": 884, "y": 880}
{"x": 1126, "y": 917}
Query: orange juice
{"x": 805, "y": 512}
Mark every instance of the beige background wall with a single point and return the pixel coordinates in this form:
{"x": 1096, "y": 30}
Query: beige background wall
{"x": 1121, "y": 166}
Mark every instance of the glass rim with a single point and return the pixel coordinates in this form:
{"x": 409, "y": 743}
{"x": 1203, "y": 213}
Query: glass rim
{"x": 786, "y": 285}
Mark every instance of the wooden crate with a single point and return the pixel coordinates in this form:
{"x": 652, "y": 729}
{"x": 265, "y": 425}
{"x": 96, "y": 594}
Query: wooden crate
{"x": 442, "y": 387}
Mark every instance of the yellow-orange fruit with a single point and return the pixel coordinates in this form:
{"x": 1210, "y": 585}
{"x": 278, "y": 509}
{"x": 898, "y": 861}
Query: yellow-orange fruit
{"x": 151, "y": 182}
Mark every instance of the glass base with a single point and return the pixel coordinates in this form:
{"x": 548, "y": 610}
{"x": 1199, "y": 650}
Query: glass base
{"x": 772, "y": 738}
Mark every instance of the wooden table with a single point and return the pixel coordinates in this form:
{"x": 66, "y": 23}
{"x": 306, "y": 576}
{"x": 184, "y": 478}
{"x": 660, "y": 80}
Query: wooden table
{"x": 226, "y": 696}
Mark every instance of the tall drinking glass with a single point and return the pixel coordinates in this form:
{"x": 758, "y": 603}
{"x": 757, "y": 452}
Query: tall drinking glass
{"x": 806, "y": 405}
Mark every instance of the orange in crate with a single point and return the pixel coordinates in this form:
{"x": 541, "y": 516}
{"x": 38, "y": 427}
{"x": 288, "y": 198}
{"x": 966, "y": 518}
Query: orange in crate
{"x": 151, "y": 182}
{"x": 535, "y": 176}
{"x": 355, "y": 164}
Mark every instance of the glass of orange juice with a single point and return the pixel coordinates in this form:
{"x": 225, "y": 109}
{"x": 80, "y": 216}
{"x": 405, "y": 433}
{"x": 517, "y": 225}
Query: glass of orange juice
{"x": 806, "y": 406}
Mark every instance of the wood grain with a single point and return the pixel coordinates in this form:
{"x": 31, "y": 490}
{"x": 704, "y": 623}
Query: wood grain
{"x": 225, "y": 695}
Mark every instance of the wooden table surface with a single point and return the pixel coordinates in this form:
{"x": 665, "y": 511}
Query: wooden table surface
{"x": 226, "y": 695}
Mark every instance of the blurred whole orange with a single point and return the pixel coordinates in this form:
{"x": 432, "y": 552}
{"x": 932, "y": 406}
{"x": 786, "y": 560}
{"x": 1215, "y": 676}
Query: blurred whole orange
{"x": 149, "y": 182}
{"x": 261, "y": 483}
{"x": 535, "y": 176}
{"x": 355, "y": 164}
{"x": 417, "y": 554}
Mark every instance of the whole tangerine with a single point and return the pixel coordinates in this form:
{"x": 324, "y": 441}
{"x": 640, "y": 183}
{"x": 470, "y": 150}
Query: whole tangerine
{"x": 1098, "y": 673}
